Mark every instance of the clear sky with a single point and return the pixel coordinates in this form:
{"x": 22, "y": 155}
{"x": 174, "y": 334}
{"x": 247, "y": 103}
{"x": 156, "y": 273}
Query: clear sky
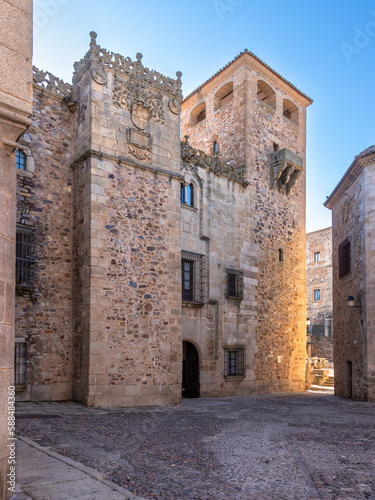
{"x": 325, "y": 48}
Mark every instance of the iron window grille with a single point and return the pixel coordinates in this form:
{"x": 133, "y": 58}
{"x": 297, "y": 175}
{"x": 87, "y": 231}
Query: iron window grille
{"x": 234, "y": 284}
{"x": 24, "y": 257}
{"x": 344, "y": 258}
{"x": 234, "y": 365}
{"x": 20, "y": 364}
{"x": 193, "y": 267}
{"x": 317, "y": 294}
{"x": 20, "y": 160}
{"x": 316, "y": 256}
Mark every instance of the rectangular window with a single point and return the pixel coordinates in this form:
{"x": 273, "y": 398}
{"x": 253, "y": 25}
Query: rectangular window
{"x": 234, "y": 362}
{"x": 344, "y": 258}
{"x": 234, "y": 284}
{"x": 24, "y": 256}
{"x": 20, "y": 364}
{"x": 316, "y": 256}
{"x": 192, "y": 269}
{"x": 316, "y": 294}
{"x": 20, "y": 160}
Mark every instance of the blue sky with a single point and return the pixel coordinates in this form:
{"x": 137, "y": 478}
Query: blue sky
{"x": 325, "y": 48}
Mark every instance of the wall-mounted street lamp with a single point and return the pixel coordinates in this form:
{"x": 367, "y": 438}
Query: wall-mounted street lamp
{"x": 352, "y": 302}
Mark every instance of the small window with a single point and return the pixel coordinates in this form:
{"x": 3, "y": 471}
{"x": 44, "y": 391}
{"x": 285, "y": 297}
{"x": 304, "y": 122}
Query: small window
{"x": 214, "y": 148}
{"x": 344, "y": 258}
{"x": 234, "y": 284}
{"x": 20, "y": 159}
{"x": 192, "y": 277}
{"x": 266, "y": 94}
{"x": 24, "y": 256}
{"x": 234, "y": 362}
{"x": 187, "y": 194}
{"x": 290, "y": 111}
{"x": 20, "y": 364}
{"x": 316, "y": 256}
{"x": 316, "y": 294}
{"x": 275, "y": 147}
{"x": 281, "y": 255}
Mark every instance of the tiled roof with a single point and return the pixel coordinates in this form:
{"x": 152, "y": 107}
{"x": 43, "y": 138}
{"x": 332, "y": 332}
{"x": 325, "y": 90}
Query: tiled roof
{"x": 366, "y": 152}
{"x": 257, "y": 59}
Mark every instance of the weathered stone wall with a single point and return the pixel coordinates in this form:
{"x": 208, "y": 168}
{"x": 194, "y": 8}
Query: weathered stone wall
{"x": 44, "y": 202}
{"x": 319, "y": 277}
{"x": 127, "y": 229}
{"x": 15, "y": 108}
{"x": 348, "y": 221}
{"x": 322, "y": 347}
{"x": 246, "y": 130}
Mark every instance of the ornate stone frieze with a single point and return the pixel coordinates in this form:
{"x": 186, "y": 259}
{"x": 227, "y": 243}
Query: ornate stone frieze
{"x": 48, "y": 81}
{"x": 127, "y": 66}
{"x": 218, "y": 167}
{"x": 286, "y": 169}
{"x": 142, "y": 104}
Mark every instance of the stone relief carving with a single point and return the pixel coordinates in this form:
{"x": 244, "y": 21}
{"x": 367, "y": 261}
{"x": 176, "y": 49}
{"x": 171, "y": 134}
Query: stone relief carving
{"x": 125, "y": 65}
{"x": 286, "y": 169}
{"x": 174, "y": 106}
{"x": 218, "y": 167}
{"x": 99, "y": 76}
{"x": 48, "y": 81}
{"x": 140, "y": 144}
{"x": 135, "y": 98}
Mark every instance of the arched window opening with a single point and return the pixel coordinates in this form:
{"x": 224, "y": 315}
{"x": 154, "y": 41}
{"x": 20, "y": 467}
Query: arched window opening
{"x": 187, "y": 194}
{"x": 223, "y": 96}
{"x": 266, "y": 94}
{"x": 290, "y": 111}
{"x": 215, "y": 148}
{"x": 198, "y": 114}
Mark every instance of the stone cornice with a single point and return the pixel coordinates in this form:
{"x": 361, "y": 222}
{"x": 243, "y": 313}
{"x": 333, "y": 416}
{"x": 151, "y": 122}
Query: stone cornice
{"x": 91, "y": 153}
{"x": 349, "y": 177}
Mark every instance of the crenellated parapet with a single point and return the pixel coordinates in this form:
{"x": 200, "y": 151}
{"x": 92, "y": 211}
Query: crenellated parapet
{"x": 212, "y": 162}
{"x": 50, "y": 82}
{"x": 128, "y": 67}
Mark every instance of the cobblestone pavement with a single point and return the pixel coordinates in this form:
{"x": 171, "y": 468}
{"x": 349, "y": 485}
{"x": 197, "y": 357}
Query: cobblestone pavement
{"x": 285, "y": 446}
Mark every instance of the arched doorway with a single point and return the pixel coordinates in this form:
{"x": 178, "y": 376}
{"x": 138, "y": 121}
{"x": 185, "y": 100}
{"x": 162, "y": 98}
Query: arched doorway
{"x": 190, "y": 371}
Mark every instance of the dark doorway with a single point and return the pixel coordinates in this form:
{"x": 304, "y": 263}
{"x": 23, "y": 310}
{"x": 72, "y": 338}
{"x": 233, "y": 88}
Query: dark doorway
{"x": 190, "y": 371}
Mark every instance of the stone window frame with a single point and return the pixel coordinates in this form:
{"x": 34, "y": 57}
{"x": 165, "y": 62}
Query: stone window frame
{"x": 197, "y": 112}
{"x": 225, "y": 91}
{"x": 197, "y": 278}
{"x": 348, "y": 277}
{"x": 25, "y": 257}
{"x": 20, "y": 364}
{"x": 265, "y": 89}
{"x": 30, "y": 163}
{"x": 317, "y": 295}
{"x": 190, "y": 180}
{"x": 290, "y": 111}
{"x": 316, "y": 256}
{"x": 234, "y": 361}
{"x": 187, "y": 196}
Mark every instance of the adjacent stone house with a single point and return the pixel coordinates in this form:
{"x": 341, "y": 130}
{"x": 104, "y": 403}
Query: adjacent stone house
{"x": 353, "y": 225}
{"x": 150, "y": 267}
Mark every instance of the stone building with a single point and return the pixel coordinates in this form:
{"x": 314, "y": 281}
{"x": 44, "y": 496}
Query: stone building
{"x": 353, "y": 225}
{"x": 148, "y": 266}
{"x": 15, "y": 109}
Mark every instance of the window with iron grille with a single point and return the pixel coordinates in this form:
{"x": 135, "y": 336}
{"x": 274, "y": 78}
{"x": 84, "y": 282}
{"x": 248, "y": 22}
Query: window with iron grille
{"x": 20, "y": 364}
{"x": 344, "y": 258}
{"x": 234, "y": 284}
{"x": 234, "y": 362}
{"x": 192, "y": 277}
{"x": 317, "y": 294}
{"x": 316, "y": 256}
{"x": 20, "y": 160}
{"x": 24, "y": 257}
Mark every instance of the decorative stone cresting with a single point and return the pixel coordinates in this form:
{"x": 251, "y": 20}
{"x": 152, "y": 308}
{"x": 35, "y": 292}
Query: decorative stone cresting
{"x": 212, "y": 162}
{"x": 50, "y": 82}
{"x": 125, "y": 65}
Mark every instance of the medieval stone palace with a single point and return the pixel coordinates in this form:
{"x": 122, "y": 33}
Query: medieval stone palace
{"x": 160, "y": 240}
